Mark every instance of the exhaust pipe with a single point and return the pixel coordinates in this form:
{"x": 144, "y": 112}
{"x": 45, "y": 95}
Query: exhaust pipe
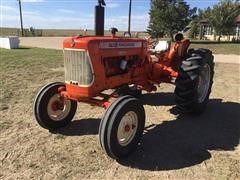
{"x": 99, "y": 18}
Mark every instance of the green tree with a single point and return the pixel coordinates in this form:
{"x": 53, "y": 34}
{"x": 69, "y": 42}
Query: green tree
{"x": 205, "y": 13}
{"x": 223, "y": 15}
{"x": 195, "y": 23}
{"x": 168, "y": 17}
{"x": 194, "y": 28}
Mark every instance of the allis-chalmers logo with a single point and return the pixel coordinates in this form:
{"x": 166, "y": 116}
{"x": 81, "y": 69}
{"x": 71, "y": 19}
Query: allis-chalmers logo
{"x": 110, "y": 45}
{"x": 72, "y": 43}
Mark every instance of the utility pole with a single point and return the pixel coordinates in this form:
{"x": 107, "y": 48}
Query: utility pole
{"x": 21, "y": 21}
{"x": 129, "y": 16}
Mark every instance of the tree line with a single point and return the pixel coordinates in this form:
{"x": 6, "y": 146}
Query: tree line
{"x": 168, "y": 17}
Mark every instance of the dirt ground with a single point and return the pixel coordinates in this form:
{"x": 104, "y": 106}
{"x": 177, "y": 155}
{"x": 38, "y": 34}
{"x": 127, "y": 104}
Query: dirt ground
{"x": 172, "y": 147}
{"x": 42, "y": 42}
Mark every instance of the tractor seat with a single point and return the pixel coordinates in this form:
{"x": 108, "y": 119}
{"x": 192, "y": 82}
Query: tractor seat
{"x": 178, "y": 49}
{"x": 182, "y": 48}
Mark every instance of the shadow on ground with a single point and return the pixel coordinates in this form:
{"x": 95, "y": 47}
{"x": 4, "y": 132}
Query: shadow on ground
{"x": 179, "y": 143}
{"x": 158, "y": 99}
{"x": 185, "y": 141}
{"x": 80, "y": 127}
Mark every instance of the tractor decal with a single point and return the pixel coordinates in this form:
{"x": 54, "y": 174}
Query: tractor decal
{"x": 110, "y": 45}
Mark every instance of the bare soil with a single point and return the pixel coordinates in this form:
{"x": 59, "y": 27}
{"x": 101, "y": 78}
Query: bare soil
{"x": 43, "y": 42}
{"x": 172, "y": 147}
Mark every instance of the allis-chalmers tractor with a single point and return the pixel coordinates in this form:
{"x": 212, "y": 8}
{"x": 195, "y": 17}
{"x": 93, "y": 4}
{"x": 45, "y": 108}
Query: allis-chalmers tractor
{"x": 126, "y": 66}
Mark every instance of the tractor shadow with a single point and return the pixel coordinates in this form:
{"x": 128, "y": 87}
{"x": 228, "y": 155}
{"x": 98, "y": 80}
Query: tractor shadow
{"x": 80, "y": 127}
{"x": 186, "y": 141}
{"x": 158, "y": 99}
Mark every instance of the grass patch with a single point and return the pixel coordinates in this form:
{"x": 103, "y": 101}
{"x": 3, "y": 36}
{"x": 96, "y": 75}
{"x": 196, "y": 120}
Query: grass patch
{"x": 24, "y": 69}
{"x": 218, "y": 48}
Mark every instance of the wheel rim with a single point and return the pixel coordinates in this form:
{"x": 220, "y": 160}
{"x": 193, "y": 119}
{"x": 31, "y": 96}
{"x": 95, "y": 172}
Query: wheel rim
{"x": 127, "y": 128}
{"x": 58, "y": 107}
{"x": 203, "y": 83}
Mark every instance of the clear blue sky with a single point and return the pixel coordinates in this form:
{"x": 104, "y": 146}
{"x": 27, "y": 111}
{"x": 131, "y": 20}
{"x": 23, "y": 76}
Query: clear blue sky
{"x": 75, "y": 14}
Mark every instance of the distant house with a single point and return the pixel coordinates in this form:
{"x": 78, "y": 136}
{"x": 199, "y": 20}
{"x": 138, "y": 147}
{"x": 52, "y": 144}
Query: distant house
{"x": 207, "y": 31}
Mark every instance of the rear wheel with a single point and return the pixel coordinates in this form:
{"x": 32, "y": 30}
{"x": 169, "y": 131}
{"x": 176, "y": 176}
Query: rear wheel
{"x": 194, "y": 82}
{"x": 122, "y": 126}
{"x": 51, "y": 110}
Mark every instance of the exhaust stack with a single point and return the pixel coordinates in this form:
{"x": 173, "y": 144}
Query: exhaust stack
{"x": 99, "y": 18}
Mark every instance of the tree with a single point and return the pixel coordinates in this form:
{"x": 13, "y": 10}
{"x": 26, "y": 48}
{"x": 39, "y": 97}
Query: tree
{"x": 195, "y": 23}
{"x": 194, "y": 27}
{"x": 168, "y": 17}
{"x": 204, "y": 14}
{"x": 222, "y": 17}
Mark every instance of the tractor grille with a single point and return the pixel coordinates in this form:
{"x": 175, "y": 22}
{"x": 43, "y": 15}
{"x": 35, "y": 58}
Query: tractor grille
{"x": 78, "y": 69}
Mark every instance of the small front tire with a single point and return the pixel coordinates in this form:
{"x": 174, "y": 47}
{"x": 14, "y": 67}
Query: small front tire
{"x": 122, "y": 127}
{"x": 51, "y": 110}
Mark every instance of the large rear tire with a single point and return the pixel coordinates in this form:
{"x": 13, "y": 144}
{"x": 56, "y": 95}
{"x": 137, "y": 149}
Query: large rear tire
{"x": 194, "y": 82}
{"x": 51, "y": 110}
{"x": 122, "y": 127}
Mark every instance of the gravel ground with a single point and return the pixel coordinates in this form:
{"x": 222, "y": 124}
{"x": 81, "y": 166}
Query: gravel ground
{"x": 172, "y": 147}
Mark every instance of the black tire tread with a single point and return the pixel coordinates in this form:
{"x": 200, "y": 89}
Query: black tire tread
{"x": 104, "y": 124}
{"x": 37, "y": 107}
{"x": 187, "y": 80}
{"x": 108, "y": 121}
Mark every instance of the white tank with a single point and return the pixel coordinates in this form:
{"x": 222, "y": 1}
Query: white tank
{"x": 9, "y": 42}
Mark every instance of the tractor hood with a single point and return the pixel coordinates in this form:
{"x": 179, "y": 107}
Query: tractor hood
{"x": 104, "y": 42}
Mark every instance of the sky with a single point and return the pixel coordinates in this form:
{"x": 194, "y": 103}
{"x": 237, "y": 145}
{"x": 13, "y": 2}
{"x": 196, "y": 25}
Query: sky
{"x": 79, "y": 14}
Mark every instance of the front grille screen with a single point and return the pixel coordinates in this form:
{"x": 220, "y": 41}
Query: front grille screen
{"x": 77, "y": 67}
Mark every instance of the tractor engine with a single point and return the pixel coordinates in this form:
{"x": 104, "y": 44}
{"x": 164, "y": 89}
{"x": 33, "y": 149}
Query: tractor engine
{"x": 93, "y": 64}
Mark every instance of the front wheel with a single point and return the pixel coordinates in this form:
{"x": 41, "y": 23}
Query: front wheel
{"x": 51, "y": 110}
{"x": 194, "y": 82}
{"x": 122, "y": 126}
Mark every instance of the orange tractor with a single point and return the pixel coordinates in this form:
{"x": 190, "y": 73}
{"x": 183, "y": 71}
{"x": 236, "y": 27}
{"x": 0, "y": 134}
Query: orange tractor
{"x": 126, "y": 67}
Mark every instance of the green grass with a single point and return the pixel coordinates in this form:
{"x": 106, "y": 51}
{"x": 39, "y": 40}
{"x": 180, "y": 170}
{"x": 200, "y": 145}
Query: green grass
{"x": 219, "y": 48}
{"x": 24, "y": 69}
